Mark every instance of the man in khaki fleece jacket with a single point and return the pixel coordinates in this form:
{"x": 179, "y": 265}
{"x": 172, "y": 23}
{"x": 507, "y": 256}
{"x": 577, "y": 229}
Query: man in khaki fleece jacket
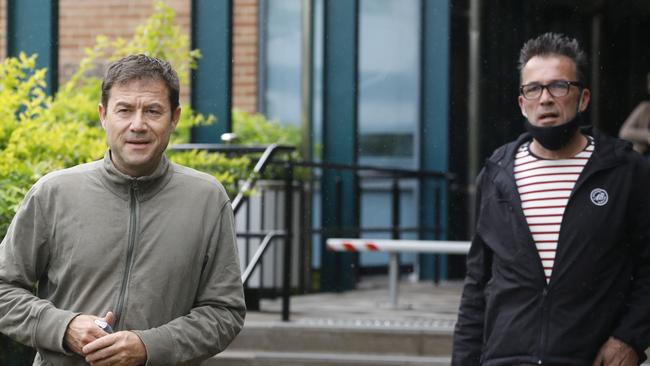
{"x": 143, "y": 244}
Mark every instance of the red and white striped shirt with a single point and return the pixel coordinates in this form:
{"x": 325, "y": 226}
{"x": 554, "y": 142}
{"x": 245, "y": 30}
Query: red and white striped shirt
{"x": 544, "y": 187}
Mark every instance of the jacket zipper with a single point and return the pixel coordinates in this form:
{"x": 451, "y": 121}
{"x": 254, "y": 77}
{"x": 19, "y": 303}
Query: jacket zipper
{"x": 133, "y": 223}
{"x": 543, "y": 325}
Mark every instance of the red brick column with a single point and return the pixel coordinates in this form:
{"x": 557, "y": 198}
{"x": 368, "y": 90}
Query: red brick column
{"x": 3, "y": 29}
{"x": 244, "y": 73}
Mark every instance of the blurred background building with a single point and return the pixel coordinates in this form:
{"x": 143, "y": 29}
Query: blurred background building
{"x": 424, "y": 85}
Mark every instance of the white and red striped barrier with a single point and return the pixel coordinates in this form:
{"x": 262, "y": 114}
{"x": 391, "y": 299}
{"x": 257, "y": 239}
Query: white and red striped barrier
{"x": 401, "y": 246}
{"x": 393, "y": 248}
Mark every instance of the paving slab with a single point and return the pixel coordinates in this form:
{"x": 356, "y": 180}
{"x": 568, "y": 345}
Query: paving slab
{"x": 420, "y": 305}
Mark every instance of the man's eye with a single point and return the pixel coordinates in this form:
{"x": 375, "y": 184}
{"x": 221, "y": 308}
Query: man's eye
{"x": 558, "y": 85}
{"x": 533, "y": 88}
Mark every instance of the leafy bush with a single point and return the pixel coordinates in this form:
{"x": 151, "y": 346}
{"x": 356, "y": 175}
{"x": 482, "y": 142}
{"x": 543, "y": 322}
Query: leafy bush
{"x": 34, "y": 139}
{"x": 256, "y": 129}
{"x": 40, "y": 133}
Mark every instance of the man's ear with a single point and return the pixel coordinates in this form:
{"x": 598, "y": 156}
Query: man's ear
{"x": 520, "y": 100}
{"x": 102, "y": 115}
{"x": 583, "y": 103}
{"x": 176, "y": 116}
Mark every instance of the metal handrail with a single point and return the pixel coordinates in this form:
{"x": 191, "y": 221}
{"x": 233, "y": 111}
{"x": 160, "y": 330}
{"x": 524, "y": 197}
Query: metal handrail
{"x": 371, "y": 171}
{"x": 264, "y": 160}
{"x": 226, "y": 148}
{"x": 267, "y": 155}
{"x": 252, "y": 264}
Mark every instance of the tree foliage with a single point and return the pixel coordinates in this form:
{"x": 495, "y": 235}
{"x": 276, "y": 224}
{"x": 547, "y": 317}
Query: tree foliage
{"x": 41, "y": 133}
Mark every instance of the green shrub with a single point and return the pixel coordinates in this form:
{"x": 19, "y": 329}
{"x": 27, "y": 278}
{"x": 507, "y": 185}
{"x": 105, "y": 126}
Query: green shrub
{"x": 34, "y": 139}
{"x": 39, "y": 133}
{"x": 256, "y": 129}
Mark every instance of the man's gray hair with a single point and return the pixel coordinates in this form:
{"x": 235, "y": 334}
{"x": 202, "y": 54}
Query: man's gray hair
{"x": 549, "y": 44}
{"x": 139, "y": 67}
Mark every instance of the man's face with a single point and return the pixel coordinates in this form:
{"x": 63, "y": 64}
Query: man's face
{"x": 138, "y": 121}
{"x": 548, "y": 110}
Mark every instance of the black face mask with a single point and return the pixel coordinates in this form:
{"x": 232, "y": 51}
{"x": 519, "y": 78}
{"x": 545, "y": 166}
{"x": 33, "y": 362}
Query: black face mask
{"x": 555, "y": 137}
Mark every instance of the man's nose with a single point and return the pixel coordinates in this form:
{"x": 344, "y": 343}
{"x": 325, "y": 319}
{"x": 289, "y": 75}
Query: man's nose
{"x": 546, "y": 97}
{"x": 138, "y": 122}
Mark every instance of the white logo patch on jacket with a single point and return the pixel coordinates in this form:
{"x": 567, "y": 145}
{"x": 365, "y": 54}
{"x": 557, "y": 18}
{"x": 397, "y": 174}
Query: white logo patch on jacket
{"x": 599, "y": 197}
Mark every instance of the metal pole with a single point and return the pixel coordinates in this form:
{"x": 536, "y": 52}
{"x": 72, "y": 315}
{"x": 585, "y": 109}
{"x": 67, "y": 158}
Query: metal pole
{"x": 393, "y": 269}
{"x": 596, "y": 27}
{"x": 307, "y": 91}
{"x": 288, "y": 221}
{"x": 474, "y": 106}
{"x": 436, "y": 233}
{"x": 338, "y": 280}
{"x": 395, "y": 209}
{"x": 307, "y": 77}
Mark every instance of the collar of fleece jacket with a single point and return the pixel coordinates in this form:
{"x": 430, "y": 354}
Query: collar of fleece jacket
{"x": 144, "y": 187}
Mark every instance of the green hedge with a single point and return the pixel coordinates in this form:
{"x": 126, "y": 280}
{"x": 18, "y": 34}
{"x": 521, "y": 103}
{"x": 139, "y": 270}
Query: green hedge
{"x": 41, "y": 133}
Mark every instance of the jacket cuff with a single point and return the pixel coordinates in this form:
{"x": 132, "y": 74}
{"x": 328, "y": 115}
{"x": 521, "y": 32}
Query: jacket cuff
{"x": 50, "y": 329}
{"x": 159, "y": 346}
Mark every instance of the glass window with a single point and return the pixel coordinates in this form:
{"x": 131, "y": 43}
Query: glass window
{"x": 389, "y": 109}
{"x": 280, "y": 60}
{"x": 389, "y": 92}
{"x": 389, "y": 87}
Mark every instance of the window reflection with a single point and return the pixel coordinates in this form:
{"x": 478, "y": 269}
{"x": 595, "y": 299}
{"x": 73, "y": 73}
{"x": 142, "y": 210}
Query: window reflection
{"x": 389, "y": 73}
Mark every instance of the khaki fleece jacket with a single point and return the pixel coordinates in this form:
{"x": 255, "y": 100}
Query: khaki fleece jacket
{"x": 159, "y": 251}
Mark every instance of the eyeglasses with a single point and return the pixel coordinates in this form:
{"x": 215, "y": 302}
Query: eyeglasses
{"x": 558, "y": 88}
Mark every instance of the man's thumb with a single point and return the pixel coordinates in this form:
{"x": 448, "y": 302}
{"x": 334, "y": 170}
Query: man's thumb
{"x": 109, "y": 318}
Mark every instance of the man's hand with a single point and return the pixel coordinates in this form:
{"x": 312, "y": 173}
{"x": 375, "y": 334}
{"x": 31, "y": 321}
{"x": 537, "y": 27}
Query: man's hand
{"x": 616, "y": 353}
{"x": 83, "y": 330}
{"x": 121, "y": 348}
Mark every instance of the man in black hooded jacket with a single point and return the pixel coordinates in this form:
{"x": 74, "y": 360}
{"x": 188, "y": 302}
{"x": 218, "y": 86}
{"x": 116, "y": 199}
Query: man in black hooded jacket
{"x": 559, "y": 269}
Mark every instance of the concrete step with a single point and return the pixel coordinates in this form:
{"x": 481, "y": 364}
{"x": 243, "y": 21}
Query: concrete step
{"x": 340, "y": 342}
{"x": 266, "y": 358}
{"x": 383, "y": 338}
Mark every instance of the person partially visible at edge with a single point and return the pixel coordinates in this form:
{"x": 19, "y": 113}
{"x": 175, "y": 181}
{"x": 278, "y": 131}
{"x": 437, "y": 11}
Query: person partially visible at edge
{"x": 636, "y": 127}
{"x": 558, "y": 272}
{"x": 134, "y": 240}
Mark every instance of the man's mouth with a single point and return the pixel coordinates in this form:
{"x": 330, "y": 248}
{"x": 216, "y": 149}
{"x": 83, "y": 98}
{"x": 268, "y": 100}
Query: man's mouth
{"x": 137, "y": 143}
{"x": 548, "y": 117}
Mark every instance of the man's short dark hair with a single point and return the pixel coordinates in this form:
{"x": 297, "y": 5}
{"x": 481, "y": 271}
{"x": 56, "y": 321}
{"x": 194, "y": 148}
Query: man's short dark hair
{"x": 549, "y": 44}
{"x": 139, "y": 67}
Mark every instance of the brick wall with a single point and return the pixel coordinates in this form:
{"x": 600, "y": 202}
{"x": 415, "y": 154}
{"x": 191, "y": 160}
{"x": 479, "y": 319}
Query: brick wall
{"x": 3, "y": 29}
{"x": 244, "y": 73}
{"x": 80, "y": 22}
